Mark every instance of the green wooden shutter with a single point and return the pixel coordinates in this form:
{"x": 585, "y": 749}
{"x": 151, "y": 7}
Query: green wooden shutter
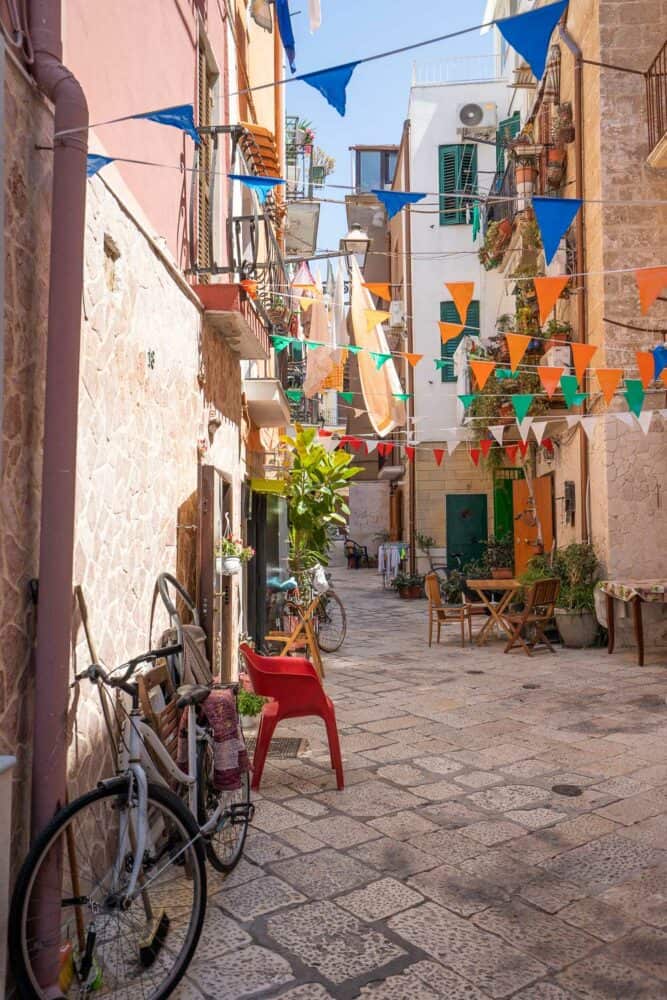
{"x": 457, "y": 172}
{"x": 508, "y": 128}
{"x": 449, "y": 314}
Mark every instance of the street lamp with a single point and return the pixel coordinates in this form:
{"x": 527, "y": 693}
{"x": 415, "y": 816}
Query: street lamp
{"x": 356, "y": 243}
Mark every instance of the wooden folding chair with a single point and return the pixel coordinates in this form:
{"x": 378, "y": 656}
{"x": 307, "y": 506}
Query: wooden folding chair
{"x": 537, "y": 614}
{"x": 158, "y": 704}
{"x": 439, "y": 613}
{"x": 302, "y": 636}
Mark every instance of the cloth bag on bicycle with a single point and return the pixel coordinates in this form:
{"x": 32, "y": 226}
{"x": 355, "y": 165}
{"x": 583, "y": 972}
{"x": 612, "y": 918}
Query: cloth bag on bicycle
{"x": 192, "y": 666}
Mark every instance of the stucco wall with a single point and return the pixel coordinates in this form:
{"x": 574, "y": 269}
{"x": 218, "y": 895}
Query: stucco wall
{"x": 28, "y": 123}
{"x": 369, "y": 512}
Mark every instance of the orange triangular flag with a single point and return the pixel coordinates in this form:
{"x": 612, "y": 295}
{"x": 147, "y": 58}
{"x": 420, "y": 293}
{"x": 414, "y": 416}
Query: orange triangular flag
{"x": 548, "y": 292}
{"x": 379, "y": 288}
{"x": 650, "y": 282}
{"x": 481, "y": 370}
{"x": 414, "y": 359}
{"x": 581, "y": 355}
{"x": 438, "y": 454}
{"x": 550, "y": 378}
{"x": 609, "y": 379}
{"x": 450, "y": 331}
{"x": 646, "y": 365}
{"x": 462, "y": 293}
{"x": 374, "y": 317}
{"x": 517, "y": 344}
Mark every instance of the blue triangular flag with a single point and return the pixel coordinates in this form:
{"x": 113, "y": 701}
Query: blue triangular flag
{"x": 530, "y": 33}
{"x": 260, "y": 185}
{"x": 554, "y": 217}
{"x": 659, "y": 359}
{"x": 331, "y": 83}
{"x": 286, "y": 32}
{"x": 180, "y": 116}
{"x": 95, "y": 162}
{"x": 394, "y": 201}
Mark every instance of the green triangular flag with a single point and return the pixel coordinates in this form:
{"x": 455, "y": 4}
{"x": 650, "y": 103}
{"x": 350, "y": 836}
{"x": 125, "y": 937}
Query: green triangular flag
{"x": 467, "y": 398}
{"x": 634, "y": 393}
{"x": 313, "y": 344}
{"x": 506, "y": 373}
{"x": 521, "y": 403}
{"x": 352, "y": 348}
{"x": 403, "y": 396}
{"x": 572, "y": 398}
{"x": 379, "y": 359}
{"x": 294, "y": 394}
{"x": 347, "y": 397}
{"x": 280, "y": 343}
{"x": 440, "y": 363}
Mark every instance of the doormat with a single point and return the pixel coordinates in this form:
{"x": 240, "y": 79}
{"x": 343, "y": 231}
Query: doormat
{"x": 283, "y": 747}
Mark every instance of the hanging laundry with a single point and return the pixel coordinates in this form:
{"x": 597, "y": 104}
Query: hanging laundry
{"x": 286, "y": 32}
{"x": 314, "y": 15}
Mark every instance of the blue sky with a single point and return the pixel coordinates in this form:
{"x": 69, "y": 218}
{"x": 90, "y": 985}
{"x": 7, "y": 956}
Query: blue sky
{"x": 377, "y": 95}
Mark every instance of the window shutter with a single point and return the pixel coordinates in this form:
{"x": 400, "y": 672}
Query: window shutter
{"x": 205, "y": 99}
{"x": 457, "y": 172}
{"x": 508, "y": 128}
{"x": 449, "y": 314}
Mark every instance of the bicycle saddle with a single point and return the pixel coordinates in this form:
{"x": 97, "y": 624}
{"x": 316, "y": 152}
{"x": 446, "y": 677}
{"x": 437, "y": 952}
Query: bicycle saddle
{"x": 191, "y": 694}
{"x": 282, "y": 585}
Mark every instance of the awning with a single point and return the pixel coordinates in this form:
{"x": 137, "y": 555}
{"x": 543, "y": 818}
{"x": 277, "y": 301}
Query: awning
{"x": 278, "y": 486}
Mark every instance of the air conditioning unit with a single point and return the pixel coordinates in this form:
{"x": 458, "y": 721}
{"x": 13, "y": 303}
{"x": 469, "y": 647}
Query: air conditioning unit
{"x": 473, "y": 116}
{"x": 396, "y": 314}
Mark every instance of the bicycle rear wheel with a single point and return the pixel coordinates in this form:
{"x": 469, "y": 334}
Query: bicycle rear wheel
{"x": 225, "y": 847}
{"x": 331, "y": 622}
{"x": 78, "y": 869}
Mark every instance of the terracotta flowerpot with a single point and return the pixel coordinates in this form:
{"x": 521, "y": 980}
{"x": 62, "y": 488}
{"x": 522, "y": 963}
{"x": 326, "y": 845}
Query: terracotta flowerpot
{"x": 411, "y": 593}
{"x": 501, "y": 573}
{"x": 505, "y": 227}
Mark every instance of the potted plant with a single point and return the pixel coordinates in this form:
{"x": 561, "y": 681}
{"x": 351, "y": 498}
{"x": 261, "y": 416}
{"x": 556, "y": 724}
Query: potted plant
{"x": 452, "y": 589}
{"x": 577, "y": 568}
{"x": 408, "y": 587}
{"x": 230, "y": 553}
{"x": 249, "y": 705}
{"x": 500, "y": 557}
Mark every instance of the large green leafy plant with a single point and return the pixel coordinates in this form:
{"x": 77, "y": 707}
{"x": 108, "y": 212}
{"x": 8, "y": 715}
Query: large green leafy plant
{"x": 316, "y": 498}
{"x": 577, "y": 568}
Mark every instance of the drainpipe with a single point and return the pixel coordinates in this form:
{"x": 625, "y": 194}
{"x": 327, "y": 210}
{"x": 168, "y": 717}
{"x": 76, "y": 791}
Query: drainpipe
{"x": 581, "y": 256}
{"x": 412, "y": 474}
{"x": 54, "y": 622}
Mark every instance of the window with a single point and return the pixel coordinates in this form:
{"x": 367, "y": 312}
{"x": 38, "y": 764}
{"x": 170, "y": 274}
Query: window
{"x": 508, "y": 129}
{"x": 457, "y": 173}
{"x": 206, "y": 91}
{"x": 449, "y": 314}
{"x": 374, "y": 168}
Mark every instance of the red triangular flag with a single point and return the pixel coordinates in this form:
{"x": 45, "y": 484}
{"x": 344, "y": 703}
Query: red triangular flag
{"x": 548, "y": 444}
{"x": 438, "y": 454}
{"x": 462, "y": 293}
{"x": 646, "y": 366}
{"x": 650, "y": 282}
{"x": 324, "y": 434}
{"x": 410, "y": 452}
{"x": 548, "y": 292}
{"x": 511, "y": 450}
{"x": 523, "y": 448}
{"x": 485, "y": 446}
{"x": 474, "y": 454}
{"x": 385, "y": 448}
{"x": 581, "y": 355}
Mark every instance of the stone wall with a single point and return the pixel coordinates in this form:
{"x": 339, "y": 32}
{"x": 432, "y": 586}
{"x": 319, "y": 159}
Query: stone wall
{"x": 28, "y": 123}
{"x": 369, "y": 512}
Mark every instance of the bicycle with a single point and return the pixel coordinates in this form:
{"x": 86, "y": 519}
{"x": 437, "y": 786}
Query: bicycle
{"x": 324, "y": 609}
{"x": 112, "y": 894}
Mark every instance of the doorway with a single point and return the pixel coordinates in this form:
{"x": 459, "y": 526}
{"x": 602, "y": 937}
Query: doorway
{"x": 466, "y": 527}
{"x": 529, "y": 516}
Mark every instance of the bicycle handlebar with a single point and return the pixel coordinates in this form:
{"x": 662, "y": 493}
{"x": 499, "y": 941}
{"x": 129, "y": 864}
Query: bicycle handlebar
{"x": 96, "y": 672}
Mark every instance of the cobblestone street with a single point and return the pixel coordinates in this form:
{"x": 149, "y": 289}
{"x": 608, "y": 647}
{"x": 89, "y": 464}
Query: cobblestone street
{"x": 449, "y": 867}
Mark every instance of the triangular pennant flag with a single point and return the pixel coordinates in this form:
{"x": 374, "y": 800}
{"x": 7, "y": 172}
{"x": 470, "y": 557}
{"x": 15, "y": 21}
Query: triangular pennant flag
{"x": 379, "y": 359}
{"x": 346, "y": 397}
{"x": 441, "y": 362}
{"x": 379, "y": 288}
{"x": 646, "y": 366}
{"x": 521, "y": 402}
{"x": 385, "y": 448}
{"x": 650, "y": 282}
{"x": 571, "y": 396}
{"x": 358, "y": 411}
{"x": 529, "y": 34}
{"x": 589, "y": 424}
{"x": 634, "y": 393}
{"x": 481, "y": 370}
{"x": 524, "y": 428}
{"x": 644, "y": 419}
{"x": 554, "y": 217}
{"x": 625, "y": 418}
{"x": 306, "y": 303}
{"x": 280, "y": 343}
{"x": 581, "y": 355}
{"x": 498, "y": 431}
{"x": 324, "y": 434}
{"x": 181, "y": 116}
{"x": 353, "y": 349}
{"x": 539, "y": 427}
{"x": 609, "y": 380}
{"x": 438, "y": 454}
{"x": 313, "y": 345}
{"x": 474, "y": 454}
{"x": 462, "y": 293}
{"x": 450, "y": 331}
{"x": 659, "y": 353}
{"x": 410, "y": 452}
{"x": 452, "y": 445}
{"x": 517, "y": 344}
{"x": 467, "y": 398}
{"x": 329, "y": 444}
{"x": 371, "y": 445}
{"x": 548, "y": 292}
{"x": 403, "y": 396}
{"x": 262, "y": 186}
{"x": 394, "y": 201}
{"x": 510, "y": 451}
{"x": 572, "y": 419}
{"x": 374, "y": 317}
{"x": 95, "y": 162}
{"x": 294, "y": 394}
{"x": 285, "y": 30}
{"x": 550, "y": 378}
{"x": 505, "y": 373}
{"x": 412, "y": 359}
{"x": 548, "y": 444}
{"x": 485, "y": 446}
{"x": 332, "y": 84}
{"x": 523, "y": 448}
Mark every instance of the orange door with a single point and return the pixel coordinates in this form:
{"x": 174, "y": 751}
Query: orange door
{"x": 526, "y": 520}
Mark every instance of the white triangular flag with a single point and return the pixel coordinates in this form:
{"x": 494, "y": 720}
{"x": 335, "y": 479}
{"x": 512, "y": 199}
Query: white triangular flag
{"x": 371, "y": 445}
{"x": 452, "y": 445}
{"x": 539, "y": 427}
{"x": 644, "y": 419}
{"x": 572, "y": 419}
{"x": 314, "y": 15}
{"x": 524, "y": 428}
{"x": 625, "y": 418}
{"x": 358, "y": 412}
{"x": 588, "y": 423}
{"x": 498, "y": 430}
{"x": 329, "y": 444}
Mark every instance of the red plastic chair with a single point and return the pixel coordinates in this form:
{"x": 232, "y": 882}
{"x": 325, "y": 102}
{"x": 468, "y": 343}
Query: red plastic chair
{"x": 296, "y": 689}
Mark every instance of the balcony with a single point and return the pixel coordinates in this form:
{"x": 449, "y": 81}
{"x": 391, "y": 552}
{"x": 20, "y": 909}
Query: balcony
{"x": 230, "y": 312}
{"x": 461, "y": 69}
{"x": 656, "y": 105}
{"x": 267, "y": 403}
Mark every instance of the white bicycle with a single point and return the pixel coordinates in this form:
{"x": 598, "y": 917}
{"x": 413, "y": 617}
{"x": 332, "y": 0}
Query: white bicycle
{"x": 112, "y": 895}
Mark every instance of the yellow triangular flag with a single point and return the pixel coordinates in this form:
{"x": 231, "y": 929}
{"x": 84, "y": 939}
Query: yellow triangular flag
{"x": 306, "y": 303}
{"x": 449, "y": 331}
{"x": 462, "y": 293}
{"x": 379, "y": 288}
{"x": 374, "y": 317}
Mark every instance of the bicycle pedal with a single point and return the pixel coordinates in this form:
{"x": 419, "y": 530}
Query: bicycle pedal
{"x": 238, "y": 814}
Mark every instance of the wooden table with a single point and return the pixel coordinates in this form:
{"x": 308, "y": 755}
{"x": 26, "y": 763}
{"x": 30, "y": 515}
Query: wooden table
{"x": 484, "y": 588}
{"x": 634, "y": 592}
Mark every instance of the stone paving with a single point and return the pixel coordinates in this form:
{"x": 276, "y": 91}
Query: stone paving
{"x": 448, "y": 867}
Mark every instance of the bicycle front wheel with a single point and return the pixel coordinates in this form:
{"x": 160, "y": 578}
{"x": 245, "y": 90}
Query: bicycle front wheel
{"x": 331, "y": 622}
{"x": 224, "y": 847}
{"x": 70, "y": 923}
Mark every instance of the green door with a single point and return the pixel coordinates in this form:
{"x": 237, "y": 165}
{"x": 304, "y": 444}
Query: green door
{"x": 466, "y": 527}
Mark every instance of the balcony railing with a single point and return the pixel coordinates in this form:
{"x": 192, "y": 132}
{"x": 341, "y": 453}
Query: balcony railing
{"x": 461, "y": 69}
{"x": 656, "y": 106}
{"x": 503, "y": 187}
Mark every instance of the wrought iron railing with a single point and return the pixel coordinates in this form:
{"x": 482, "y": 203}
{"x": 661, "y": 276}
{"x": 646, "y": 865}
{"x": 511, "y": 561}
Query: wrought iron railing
{"x": 656, "y": 98}
{"x": 502, "y": 200}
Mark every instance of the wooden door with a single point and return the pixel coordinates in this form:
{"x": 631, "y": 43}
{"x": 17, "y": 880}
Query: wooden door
{"x": 526, "y": 518}
{"x": 467, "y": 527}
{"x": 214, "y": 588}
